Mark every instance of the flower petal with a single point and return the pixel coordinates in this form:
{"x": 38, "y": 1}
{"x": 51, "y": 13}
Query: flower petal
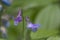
{"x": 19, "y": 19}
{"x": 27, "y": 19}
{"x": 15, "y": 23}
{"x": 34, "y": 30}
{"x": 19, "y": 13}
{"x": 36, "y": 25}
{"x": 29, "y": 25}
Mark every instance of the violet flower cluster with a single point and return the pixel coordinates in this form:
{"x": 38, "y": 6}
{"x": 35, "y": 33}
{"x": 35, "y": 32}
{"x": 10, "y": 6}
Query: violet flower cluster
{"x": 18, "y": 18}
{"x": 30, "y": 25}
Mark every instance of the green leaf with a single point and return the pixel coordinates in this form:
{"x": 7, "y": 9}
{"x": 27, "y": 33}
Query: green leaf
{"x": 54, "y": 38}
{"x": 25, "y": 4}
{"x": 49, "y": 18}
{"x": 34, "y": 3}
{"x": 2, "y": 39}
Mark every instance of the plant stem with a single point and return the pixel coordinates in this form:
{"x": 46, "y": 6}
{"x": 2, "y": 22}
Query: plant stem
{"x": 59, "y": 24}
{"x": 23, "y": 25}
{"x": 0, "y": 20}
{"x": 59, "y": 3}
{"x": 28, "y": 37}
{"x": 21, "y": 36}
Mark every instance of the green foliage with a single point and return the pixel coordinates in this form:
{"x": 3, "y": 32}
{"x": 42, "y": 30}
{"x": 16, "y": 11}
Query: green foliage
{"x": 44, "y": 12}
{"x": 54, "y": 38}
{"x": 49, "y": 20}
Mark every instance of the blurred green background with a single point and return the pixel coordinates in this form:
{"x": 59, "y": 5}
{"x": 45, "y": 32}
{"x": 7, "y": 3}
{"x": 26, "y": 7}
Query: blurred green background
{"x": 44, "y": 12}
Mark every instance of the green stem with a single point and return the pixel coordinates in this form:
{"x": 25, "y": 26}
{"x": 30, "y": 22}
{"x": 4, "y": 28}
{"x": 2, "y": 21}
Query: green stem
{"x": 59, "y": 3}
{"x": 0, "y": 19}
{"x": 0, "y": 22}
{"x": 23, "y": 26}
{"x": 28, "y": 37}
{"x": 59, "y": 24}
{"x": 21, "y": 36}
{"x": 58, "y": 30}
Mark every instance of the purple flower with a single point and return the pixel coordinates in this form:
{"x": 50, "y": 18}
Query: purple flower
{"x": 18, "y": 18}
{"x": 32, "y": 26}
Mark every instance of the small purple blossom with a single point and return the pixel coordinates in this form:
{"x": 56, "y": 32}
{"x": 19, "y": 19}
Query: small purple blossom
{"x": 18, "y": 18}
{"x": 32, "y": 26}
